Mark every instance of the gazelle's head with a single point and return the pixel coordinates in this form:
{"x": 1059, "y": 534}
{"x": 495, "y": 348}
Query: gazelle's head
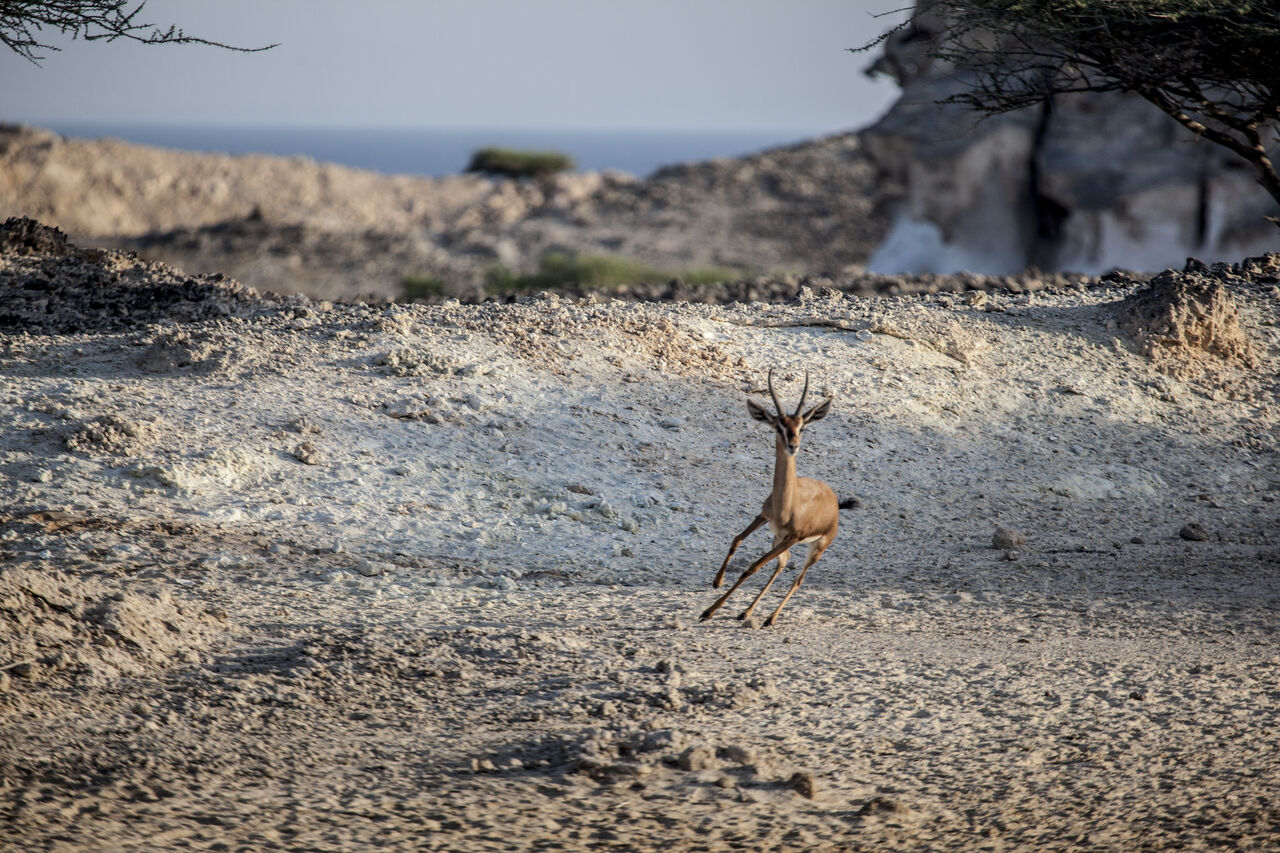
{"x": 787, "y": 426}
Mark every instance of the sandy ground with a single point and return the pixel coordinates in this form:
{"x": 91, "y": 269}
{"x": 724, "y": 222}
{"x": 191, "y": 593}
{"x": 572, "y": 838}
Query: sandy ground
{"x": 349, "y": 578}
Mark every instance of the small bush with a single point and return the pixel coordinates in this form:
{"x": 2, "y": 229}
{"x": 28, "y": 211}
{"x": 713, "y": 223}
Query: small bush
{"x": 519, "y": 164}
{"x": 588, "y": 272}
{"x": 424, "y": 287}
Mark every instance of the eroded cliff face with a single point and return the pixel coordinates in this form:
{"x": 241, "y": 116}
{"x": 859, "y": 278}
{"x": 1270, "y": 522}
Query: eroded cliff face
{"x": 1088, "y": 182}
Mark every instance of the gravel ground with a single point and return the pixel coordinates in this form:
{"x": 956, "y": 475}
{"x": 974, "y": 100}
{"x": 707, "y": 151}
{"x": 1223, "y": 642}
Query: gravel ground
{"x": 286, "y": 575}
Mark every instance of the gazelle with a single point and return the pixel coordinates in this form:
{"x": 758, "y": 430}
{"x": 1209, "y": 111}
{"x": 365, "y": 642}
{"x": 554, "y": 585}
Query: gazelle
{"x": 799, "y": 510}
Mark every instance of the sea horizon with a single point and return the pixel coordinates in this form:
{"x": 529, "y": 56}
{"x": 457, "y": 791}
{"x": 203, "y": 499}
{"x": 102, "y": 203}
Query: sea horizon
{"x": 437, "y": 152}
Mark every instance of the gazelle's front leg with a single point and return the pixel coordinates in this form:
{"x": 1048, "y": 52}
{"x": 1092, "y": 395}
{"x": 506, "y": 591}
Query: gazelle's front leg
{"x": 751, "y": 528}
{"x": 751, "y": 570}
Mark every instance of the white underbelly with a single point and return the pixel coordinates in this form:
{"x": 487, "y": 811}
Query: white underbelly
{"x": 778, "y": 533}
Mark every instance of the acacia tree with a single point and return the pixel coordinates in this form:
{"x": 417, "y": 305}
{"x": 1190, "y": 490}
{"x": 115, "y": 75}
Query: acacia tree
{"x": 1213, "y": 65}
{"x": 23, "y": 25}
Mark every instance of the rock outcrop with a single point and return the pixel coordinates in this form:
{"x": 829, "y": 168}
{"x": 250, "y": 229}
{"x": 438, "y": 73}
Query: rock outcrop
{"x": 1089, "y": 183}
{"x": 50, "y": 286}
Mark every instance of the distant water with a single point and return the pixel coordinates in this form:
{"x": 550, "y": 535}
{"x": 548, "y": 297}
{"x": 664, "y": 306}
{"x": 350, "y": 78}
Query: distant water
{"x": 444, "y": 152}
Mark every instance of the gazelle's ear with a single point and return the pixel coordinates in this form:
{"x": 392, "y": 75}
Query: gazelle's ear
{"x": 819, "y": 411}
{"x": 759, "y": 412}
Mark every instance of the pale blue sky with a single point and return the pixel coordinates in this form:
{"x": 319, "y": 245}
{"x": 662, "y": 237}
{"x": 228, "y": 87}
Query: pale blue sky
{"x": 556, "y": 64}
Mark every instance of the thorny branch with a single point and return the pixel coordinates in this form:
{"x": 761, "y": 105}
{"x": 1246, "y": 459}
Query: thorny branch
{"x": 23, "y": 26}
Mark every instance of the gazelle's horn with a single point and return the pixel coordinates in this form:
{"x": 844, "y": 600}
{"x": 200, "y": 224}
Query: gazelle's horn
{"x": 776, "y": 405}
{"x": 804, "y": 395}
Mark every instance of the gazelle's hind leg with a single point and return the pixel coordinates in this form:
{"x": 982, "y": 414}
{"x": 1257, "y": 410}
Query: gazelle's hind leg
{"x": 782, "y": 564}
{"x": 737, "y": 540}
{"x": 814, "y": 553}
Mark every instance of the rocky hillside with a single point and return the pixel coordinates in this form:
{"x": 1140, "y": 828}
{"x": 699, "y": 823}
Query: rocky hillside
{"x": 291, "y": 224}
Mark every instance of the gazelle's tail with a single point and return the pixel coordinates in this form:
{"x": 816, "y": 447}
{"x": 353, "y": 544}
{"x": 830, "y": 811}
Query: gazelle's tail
{"x": 850, "y": 503}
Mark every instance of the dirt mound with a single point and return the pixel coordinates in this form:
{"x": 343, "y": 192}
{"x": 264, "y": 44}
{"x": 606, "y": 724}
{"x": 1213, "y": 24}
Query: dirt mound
{"x": 110, "y": 434}
{"x": 23, "y": 236}
{"x": 49, "y": 286}
{"x": 60, "y": 629}
{"x": 1182, "y": 317}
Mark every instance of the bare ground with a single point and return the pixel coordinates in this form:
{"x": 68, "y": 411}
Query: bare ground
{"x": 335, "y": 578}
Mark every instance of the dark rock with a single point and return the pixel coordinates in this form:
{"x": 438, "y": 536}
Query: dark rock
{"x": 1193, "y": 533}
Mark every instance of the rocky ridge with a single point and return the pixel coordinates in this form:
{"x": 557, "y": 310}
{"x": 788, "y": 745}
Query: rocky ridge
{"x": 294, "y": 225}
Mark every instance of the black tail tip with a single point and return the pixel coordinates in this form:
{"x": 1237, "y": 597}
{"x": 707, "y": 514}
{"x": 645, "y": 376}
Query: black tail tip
{"x": 850, "y": 503}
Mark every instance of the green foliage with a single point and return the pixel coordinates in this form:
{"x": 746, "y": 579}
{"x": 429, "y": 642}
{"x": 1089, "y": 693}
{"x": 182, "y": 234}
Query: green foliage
{"x": 519, "y": 164}
{"x": 424, "y": 287}
{"x": 596, "y": 272}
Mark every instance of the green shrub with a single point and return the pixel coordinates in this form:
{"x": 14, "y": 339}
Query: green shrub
{"x": 591, "y": 272}
{"x": 519, "y": 164}
{"x": 424, "y": 287}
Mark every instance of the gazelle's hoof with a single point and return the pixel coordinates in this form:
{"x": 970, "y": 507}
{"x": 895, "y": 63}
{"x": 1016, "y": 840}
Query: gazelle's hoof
{"x": 706, "y": 614}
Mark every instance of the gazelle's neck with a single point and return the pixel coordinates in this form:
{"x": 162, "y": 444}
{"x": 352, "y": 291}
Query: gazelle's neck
{"x": 784, "y": 479}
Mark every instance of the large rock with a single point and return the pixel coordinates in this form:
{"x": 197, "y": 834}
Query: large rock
{"x": 1089, "y": 183}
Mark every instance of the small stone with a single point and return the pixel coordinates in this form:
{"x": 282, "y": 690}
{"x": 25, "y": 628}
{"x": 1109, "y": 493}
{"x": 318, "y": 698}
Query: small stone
{"x": 736, "y": 754}
{"x": 371, "y": 568}
{"x": 1007, "y": 538}
{"x": 883, "y": 806}
{"x": 26, "y": 669}
{"x": 307, "y": 454}
{"x": 5, "y": 682}
{"x": 803, "y": 784}
{"x": 1193, "y": 533}
{"x": 662, "y": 740}
{"x": 698, "y": 758}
